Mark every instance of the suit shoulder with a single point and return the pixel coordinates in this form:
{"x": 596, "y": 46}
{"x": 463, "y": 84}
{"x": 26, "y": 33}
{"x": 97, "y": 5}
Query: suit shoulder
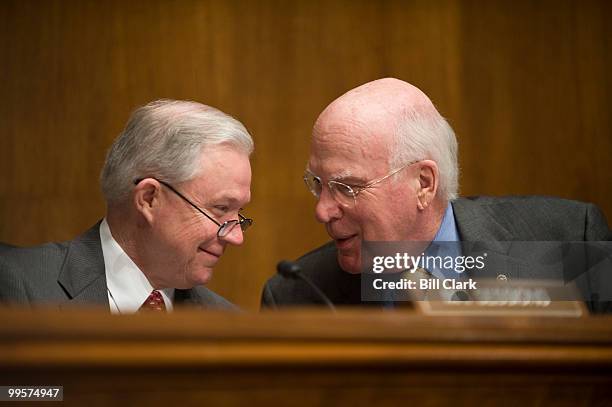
{"x": 29, "y": 259}
{"x": 321, "y": 254}
{"x": 529, "y": 203}
{"x": 210, "y": 299}
{"x": 565, "y": 219}
{"x": 24, "y": 269}
{"x": 312, "y": 263}
{"x": 524, "y": 200}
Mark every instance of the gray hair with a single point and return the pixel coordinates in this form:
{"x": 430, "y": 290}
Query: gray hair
{"x": 164, "y": 139}
{"x": 422, "y": 133}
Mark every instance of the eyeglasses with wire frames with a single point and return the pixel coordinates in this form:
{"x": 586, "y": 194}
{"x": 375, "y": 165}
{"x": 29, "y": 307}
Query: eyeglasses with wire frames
{"x": 224, "y": 228}
{"x": 344, "y": 194}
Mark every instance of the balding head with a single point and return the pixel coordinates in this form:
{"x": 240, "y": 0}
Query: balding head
{"x": 399, "y": 117}
{"x": 382, "y": 96}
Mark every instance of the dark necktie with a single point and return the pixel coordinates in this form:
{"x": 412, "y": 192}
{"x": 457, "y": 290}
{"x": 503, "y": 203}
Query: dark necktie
{"x": 154, "y": 302}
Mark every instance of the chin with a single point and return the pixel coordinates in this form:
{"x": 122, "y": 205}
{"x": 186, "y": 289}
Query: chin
{"x": 201, "y": 277}
{"x": 350, "y": 264}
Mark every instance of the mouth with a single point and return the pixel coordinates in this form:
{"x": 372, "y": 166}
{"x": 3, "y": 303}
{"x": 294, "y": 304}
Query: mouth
{"x": 216, "y": 255}
{"x": 345, "y": 242}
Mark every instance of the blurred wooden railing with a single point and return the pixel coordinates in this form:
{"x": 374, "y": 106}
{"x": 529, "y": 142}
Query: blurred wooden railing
{"x": 308, "y": 357}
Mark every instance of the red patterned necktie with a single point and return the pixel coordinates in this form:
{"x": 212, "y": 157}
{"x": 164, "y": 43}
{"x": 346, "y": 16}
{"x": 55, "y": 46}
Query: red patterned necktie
{"x": 154, "y": 302}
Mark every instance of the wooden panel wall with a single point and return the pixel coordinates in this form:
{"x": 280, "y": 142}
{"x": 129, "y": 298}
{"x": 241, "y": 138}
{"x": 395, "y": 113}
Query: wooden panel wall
{"x": 525, "y": 84}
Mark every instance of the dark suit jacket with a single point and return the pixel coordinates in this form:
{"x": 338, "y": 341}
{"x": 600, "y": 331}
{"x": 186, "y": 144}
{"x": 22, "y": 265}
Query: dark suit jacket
{"x": 494, "y": 222}
{"x": 5, "y": 247}
{"x": 72, "y": 273}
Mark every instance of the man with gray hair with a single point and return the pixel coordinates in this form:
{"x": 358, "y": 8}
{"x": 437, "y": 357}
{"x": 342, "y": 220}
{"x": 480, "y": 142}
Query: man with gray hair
{"x": 383, "y": 168}
{"x": 175, "y": 181}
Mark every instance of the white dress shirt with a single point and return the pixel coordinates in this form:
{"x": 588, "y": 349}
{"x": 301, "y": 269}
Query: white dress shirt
{"x": 128, "y": 287}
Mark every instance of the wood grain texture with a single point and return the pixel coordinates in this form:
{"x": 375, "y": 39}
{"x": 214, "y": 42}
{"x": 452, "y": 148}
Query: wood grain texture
{"x": 308, "y": 357}
{"x": 525, "y": 84}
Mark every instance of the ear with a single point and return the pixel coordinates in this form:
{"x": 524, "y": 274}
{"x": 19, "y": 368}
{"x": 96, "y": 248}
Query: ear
{"x": 146, "y": 198}
{"x": 428, "y": 179}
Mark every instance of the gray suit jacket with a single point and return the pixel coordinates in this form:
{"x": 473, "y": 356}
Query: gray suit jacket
{"x": 5, "y": 247}
{"x": 493, "y": 222}
{"x": 72, "y": 273}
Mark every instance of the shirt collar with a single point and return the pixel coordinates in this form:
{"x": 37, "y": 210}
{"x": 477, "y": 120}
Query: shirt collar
{"x": 448, "y": 228}
{"x": 445, "y": 243}
{"x": 128, "y": 287}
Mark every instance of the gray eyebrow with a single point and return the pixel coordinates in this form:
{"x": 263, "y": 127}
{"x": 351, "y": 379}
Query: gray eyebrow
{"x": 341, "y": 175}
{"x": 346, "y": 177}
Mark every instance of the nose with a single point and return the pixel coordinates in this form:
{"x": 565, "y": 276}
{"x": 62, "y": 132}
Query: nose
{"x": 327, "y": 209}
{"x": 235, "y": 236}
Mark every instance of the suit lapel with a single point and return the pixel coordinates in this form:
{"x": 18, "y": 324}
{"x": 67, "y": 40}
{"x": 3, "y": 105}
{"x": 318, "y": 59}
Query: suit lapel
{"x": 493, "y": 229}
{"x": 82, "y": 274}
{"x": 484, "y": 233}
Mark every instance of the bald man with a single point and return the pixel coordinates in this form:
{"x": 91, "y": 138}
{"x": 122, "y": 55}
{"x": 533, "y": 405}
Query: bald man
{"x": 383, "y": 168}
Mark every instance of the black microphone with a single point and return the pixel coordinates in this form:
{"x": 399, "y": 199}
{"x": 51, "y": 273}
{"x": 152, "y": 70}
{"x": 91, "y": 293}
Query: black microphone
{"x": 292, "y": 270}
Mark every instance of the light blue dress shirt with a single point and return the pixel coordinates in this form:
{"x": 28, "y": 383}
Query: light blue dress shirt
{"x": 445, "y": 243}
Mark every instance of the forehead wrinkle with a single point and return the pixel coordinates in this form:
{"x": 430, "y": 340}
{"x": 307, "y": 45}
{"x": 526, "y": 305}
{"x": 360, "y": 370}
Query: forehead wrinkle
{"x": 368, "y": 133}
{"x": 339, "y": 156}
{"x": 202, "y": 199}
{"x": 232, "y": 197}
{"x": 350, "y": 136}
